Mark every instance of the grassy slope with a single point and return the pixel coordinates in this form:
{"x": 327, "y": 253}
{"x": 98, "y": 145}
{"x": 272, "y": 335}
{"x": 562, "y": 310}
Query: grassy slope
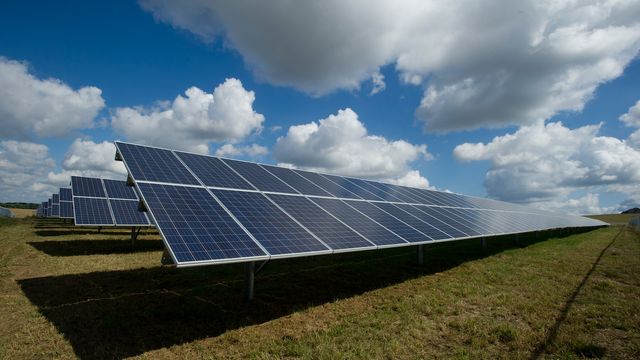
{"x": 72, "y": 292}
{"x": 615, "y": 219}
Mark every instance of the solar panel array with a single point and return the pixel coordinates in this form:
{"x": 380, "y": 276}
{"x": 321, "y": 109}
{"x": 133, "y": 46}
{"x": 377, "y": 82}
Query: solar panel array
{"x": 55, "y": 205}
{"x": 213, "y": 210}
{"x": 66, "y": 203}
{"x": 104, "y": 202}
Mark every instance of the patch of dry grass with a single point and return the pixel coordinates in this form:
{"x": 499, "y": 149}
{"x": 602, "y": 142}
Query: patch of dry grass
{"x": 69, "y": 293}
{"x": 22, "y": 213}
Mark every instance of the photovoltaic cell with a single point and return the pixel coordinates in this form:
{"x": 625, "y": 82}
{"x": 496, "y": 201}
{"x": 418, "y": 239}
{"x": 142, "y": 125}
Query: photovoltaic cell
{"x": 259, "y": 177}
{"x": 398, "y": 227}
{"x": 195, "y": 226}
{"x": 55, "y": 210}
{"x": 213, "y": 172}
{"x": 152, "y": 164}
{"x": 125, "y": 212}
{"x": 91, "y": 211}
{"x": 445, "y": 215}
{"x": 65, "y": 194}
{"x": 66, "y": 209}
{"x": 296, "y": 181}
{"x": 274, "y": 229}
{"x": 331, "y": 231}
{"x": 85, "y": 186}
{"x": 117, "y": 189}
{"x": 55, "y": 198}
{"x": 368, "y": 228}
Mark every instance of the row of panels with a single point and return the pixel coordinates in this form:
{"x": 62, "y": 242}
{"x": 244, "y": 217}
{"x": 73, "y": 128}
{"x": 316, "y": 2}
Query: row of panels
{"x": 166, "y": 166}
{"x": 205, "y": 225}
{"x": 105, "y": 202}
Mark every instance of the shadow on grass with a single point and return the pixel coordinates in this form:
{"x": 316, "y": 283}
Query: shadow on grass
{"x": 95, "y": 247}
{"x": 83, "y": 231}
{"x": 118, "y": 314}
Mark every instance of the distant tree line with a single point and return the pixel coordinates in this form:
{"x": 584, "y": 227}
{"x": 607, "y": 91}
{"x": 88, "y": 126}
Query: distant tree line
{"x": 19, "y": 205}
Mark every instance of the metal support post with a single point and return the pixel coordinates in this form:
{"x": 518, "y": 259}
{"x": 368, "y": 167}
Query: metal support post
{"x": 420, "y": 254}
{"x": 99, "y": 229}
{"x": 134, "y": 236}
{"x": 483, "y": 242}
{"x": 249, "y": 275}
{"x": 517, "y": 236}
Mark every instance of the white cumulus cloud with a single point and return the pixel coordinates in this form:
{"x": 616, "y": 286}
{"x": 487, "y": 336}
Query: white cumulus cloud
{"x": 632, "y": 117}
{"x": 340, "y": 144}
{"x": 549, "y": 162}
{"x": 482, "y": 63}
{"x": 23, "y": 171}
{"x": 44, "y": 107}
{"x": 252, "y": 151}
{"x": 192, "y": 121}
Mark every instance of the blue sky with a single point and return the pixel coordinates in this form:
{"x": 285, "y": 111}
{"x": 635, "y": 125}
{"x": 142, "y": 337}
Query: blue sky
{"x": 501, "y": 84}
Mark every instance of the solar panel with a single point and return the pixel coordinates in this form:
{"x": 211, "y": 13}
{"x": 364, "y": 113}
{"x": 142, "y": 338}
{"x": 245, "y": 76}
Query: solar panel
{"x": 126, "y": 213}
{"x": 398, "y": 227}
{"x": 66, "y": 209}
{"x": 352, "y": 187}
{"x": 118, "y": 189}
{"x": 66, "y": 194}
{"x": 195, "y": 227}
{"x": 86, "y": 186}
{"x": 55, "y": 210}
{"x": 331, "y": 231}
{"x": 213, "y": 172}
{"x": 55, "y": 199}
{"x": 424, "y": 227}
{"x": 152, "y": 164}
{"x": 278, "y": 233}
{"x": 92, "y": 211}
{"x": 439, "y": 222}
{"x": 259, "y": 177}
{"x": 296, "y": 181}
{"x": 327, "y": 185}
{"x": 213, "y": 210}
{"x": 370, "y": 229}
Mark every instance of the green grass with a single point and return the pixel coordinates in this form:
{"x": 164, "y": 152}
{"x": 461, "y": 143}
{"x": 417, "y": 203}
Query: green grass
{"x": 72, "y": 292}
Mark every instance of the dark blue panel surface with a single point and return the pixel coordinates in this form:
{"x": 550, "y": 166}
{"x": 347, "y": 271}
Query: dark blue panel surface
{"x": 125, "y": 212}
{"x": 353, "y": 187}
{"x": 49, "y": 202}
{"x": 151, "y": 164}
{"x": 331, "y": 231}
{"x": 195, "y": 226}
{"x": 85, "y": 186}
{"x": 66, "y": 194}
{"x": 470, "y": 228}
{"x": 368, "y": 228}
{"x": 327, "y": 185}
{"x": 441, "y": 222}
{"x": 55, "y": 210}
{"x": 296, "y": 181}
{"x": 213, "y": 172}
{"x": 414, "y": 222}
{"x": 259, "y": 177}
{"x": 55, "y": 198}
{"x": 273, "y": 229}
{"x": 66, "y": 209}
{"x": 371, "y": 187}
{"x": 91, "y": 211}
{"x": 405, "y": 231}
{"x": 118, "y": 189}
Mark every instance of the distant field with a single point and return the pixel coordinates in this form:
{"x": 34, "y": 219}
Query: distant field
{"x": 615, "y": 219}
{"x": 73, "y": 292}
{"x": 21, "y": 213}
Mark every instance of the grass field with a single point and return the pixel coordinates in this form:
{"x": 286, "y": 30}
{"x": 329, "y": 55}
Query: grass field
{"x": 73, "y": 292}
{"x": 21, "y": 213}
{"x": 615, "y": 219}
